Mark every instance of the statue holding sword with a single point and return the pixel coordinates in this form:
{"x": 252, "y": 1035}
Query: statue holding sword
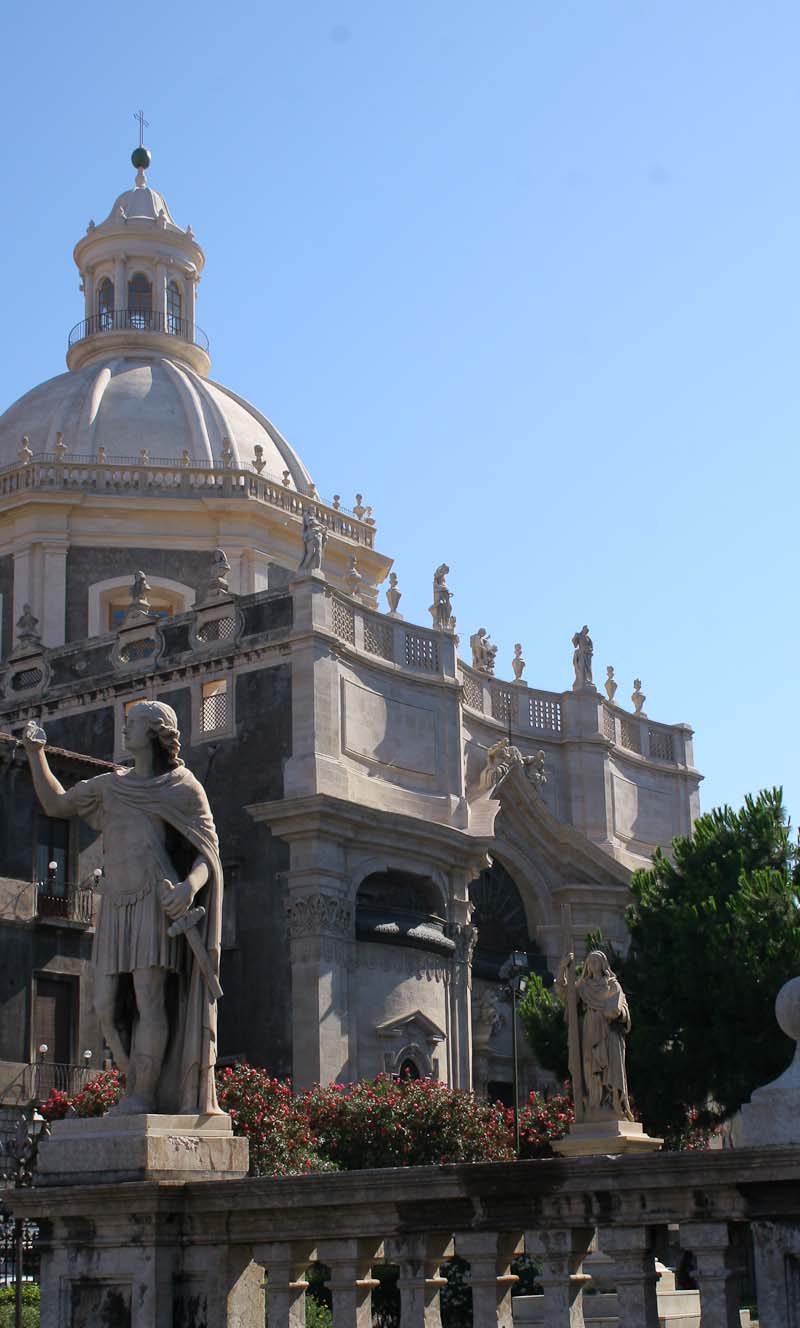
{"x": 157, "y": 942}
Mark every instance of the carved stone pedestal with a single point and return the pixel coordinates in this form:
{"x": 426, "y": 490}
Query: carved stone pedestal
{"x": 113, "y": 1149}
{"x": 604, "y": 1138}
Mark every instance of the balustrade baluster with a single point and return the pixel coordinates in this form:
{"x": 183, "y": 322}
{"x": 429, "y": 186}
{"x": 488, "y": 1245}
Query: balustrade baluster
{"x": 351, "y": 1283}
{"x": 716, "y": 1274}
{"x": 489, "y": 1256}
{"x": 561, "y": 1253}
{"x": 285, "y": 1266}
{"x": 419, "y": 1258}
{"x": 635, "y": 1276}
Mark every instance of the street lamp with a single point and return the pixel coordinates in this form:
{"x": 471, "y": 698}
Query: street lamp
{"x": 515, "y": 972}
{"x": 21, "y": 1152}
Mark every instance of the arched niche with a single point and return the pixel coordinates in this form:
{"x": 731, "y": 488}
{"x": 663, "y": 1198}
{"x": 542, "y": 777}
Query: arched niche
{"x": 401, "y": 908}
{"x": 501, "y": 922}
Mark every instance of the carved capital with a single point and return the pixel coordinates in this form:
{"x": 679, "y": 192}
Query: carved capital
{"x": 319, "y": 914}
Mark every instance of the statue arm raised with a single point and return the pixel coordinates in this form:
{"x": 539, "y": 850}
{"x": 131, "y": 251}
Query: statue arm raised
{"x": 49, "y": 791}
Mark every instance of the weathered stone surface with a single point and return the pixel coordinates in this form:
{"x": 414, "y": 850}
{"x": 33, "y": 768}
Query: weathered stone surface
{"x": 111, "y": 1149}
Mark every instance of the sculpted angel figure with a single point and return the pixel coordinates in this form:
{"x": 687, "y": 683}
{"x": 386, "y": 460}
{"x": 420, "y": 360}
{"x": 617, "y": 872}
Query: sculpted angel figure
{"x": 156, "y": 950}
{"x": 604, "y": 1021}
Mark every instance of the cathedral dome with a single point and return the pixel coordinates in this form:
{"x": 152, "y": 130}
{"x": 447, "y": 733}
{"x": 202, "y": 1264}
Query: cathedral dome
{"x": 128, "y": 402}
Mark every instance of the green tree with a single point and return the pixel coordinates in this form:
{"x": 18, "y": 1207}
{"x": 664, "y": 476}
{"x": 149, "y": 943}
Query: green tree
{"x": 715, "y": 932}
{"x": 541, "y": 1014}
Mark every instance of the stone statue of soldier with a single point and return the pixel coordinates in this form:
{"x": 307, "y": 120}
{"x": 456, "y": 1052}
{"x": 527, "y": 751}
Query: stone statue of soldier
{"x": 157, "y": 941}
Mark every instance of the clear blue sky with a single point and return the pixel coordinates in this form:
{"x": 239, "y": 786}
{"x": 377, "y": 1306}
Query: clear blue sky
{"x": 525, "y": 275}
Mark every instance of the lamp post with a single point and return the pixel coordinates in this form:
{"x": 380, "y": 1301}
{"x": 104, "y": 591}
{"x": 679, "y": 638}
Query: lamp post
{"x": 20, "y": 1163}
{"x": 514, "y": 971}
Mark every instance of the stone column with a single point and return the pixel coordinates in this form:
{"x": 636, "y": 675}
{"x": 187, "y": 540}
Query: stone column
{"x": 460, "y": 992}
{"x": 635, "y": 1277}
{"x": 777, "y": 1259}
{"x": 121, "y": 283}
{"x": 351, "y": 1283}
{"x": 190, "y": 301}
{"x": 54, "y": 594}
{"x": 716, "y": 1276}
{"x": 160, "y": 295}
{"x": 419, "y": 1258}
{"x": 561, "y": 1253}
{"x": 322, "y": 940}
{"x": 285, "y": 1265}
{"x": 489, "y": 1256}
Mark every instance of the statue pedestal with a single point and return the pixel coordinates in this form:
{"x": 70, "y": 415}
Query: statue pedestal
{"x": 112, "y": 1149}
{"x": 606, "y": 1138}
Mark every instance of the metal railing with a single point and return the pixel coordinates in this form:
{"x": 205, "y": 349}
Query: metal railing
{"x": 74, "y": 905}
{"x": 45, "y": 1076}
{"x": 139, "y": 320}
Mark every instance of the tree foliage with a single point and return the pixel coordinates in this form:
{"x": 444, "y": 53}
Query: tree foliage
{"x": 715, "y": 932}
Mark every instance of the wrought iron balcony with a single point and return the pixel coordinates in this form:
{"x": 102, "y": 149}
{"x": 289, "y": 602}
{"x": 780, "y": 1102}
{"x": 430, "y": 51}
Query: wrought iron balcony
{"x": 71, "y": 905}
{"x": 44, "y": 1076}
{"x": 139, "y": 320}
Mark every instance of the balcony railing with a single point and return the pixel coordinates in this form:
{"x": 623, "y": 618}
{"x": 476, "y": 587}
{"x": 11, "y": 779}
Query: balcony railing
{"x": 139, "y": 320}
{"x": 73, "y": 905}
{"x": 45, "y": 1076}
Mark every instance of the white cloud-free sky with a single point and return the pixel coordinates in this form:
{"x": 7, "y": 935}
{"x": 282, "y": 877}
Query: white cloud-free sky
{"x": 525, "y": 275}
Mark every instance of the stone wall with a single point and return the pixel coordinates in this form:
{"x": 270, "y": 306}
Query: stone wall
{"x": 7, "y": 591}
{"x": 85, "y": 566}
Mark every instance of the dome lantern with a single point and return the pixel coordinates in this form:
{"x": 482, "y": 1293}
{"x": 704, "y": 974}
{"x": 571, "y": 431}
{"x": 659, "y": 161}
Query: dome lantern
{"x": 139, "y": 273}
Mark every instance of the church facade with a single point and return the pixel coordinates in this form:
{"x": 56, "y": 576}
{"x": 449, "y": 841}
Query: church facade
{"x": 394, "y": 820}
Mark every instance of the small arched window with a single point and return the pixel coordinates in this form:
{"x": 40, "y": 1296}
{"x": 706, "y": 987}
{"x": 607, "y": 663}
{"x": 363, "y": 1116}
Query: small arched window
{"x": 140, "y": 301}
{"x": 105, "y": 304}
{"x": 174, "y": 309}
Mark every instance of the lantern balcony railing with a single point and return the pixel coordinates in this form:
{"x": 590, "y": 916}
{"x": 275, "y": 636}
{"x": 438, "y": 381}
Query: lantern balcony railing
{"x": 139, "y": 320}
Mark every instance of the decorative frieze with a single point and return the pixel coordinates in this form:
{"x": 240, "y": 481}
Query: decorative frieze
{"x": 310, "y": 915}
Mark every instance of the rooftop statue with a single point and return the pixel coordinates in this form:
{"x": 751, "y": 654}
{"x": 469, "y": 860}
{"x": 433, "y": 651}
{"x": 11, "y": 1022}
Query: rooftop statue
{"x": 582, "y": 659}
{"x": 441, "y": 609}
{"x": 483, "y": 651}
{"x": 161, "y": 858}
{"x": 314, "y": 537}
{"x": 217, "y": 585}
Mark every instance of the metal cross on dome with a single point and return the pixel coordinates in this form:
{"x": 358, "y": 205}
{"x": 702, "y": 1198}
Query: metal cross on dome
{"x": 143, "y": 124}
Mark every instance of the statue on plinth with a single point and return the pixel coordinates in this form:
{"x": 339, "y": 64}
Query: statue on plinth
{"x": 139, "y": 606}
{"x": 582, "y": 659}
{"x": 603, "y": 1023}
{"x": 157, "y": 942}
{"x": 217, "y": 585}
{"x": 441, "y": 610}
{"x": 314, "y": 538}
{"x": 483, "y": 651}
{"x": 598, "y": 1021}
{"x": 28, "y": 633}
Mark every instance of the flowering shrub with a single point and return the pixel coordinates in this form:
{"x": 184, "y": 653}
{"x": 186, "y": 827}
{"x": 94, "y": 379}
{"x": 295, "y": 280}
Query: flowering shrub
{"x": 410, "y": 1123}
{"x": 542, "y": 1120}
{"x": 93, "y": 1100}
{"x": 265, "y": 1111}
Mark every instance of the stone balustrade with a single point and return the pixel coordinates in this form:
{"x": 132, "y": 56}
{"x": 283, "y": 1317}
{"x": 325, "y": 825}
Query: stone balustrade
{"x": 159, "y": 477}
{"x": 212, "y": 1241}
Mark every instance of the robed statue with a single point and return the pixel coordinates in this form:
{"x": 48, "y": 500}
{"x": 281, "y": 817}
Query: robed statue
{"x": 598, "y": 1021}
{"x": 157, "y": 940}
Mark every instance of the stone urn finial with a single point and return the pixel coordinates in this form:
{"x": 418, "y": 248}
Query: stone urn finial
{"x": 610, "y": 683}
{"x": 518, "y": 663}
{"x": 638, "y": 697}
{"x": 393, "y": 595}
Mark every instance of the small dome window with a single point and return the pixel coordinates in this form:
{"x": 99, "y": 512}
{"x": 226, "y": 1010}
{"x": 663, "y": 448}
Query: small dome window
{"x": 105, "y": 305}
{"x": 174, "y": 309}
{"x": 140, "y": 301}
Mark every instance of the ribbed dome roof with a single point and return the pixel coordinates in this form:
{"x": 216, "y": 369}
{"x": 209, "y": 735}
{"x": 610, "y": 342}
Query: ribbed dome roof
{"x": 142, "y": 201}
{"x": 125, "y": 403}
